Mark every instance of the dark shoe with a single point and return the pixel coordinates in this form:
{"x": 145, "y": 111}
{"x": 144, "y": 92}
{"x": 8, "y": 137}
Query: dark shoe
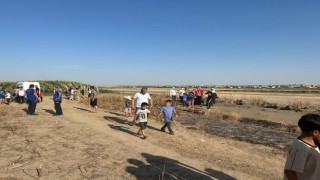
{"x": 162, "y": 130}
{"x": 172, "y": 133}
{"x": 34, "y": 114}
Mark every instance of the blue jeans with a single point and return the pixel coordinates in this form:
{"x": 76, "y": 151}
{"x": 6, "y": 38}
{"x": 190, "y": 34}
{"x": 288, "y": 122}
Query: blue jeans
{"x": 184, "y": 103}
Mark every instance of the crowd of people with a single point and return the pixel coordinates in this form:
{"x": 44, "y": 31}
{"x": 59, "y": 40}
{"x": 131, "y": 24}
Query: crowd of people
{"x": 303, "y": 160}
{"x": 18, "y": 95}
{"x": 194, "y": 96}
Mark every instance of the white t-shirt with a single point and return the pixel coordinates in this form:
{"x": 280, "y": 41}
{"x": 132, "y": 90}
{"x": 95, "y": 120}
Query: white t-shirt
{"x": 7, "y": 95}
{"x": 181, "y": 92}
{"x": 143, "y": 115}
{"x": 141, "y": 98}
{"x": 304, "y": 160}
{"x": 173, "y": 92}
{"x": 21, "y": 92}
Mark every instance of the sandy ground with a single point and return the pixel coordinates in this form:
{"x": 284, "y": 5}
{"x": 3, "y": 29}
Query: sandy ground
{"x": 81, "y": 145}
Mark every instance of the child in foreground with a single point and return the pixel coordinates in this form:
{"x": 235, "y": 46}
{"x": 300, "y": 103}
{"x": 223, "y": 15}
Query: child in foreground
{"x": 142, "y": 116}
{"x": 167, "y": 112}
{"x": 303, "y": 161}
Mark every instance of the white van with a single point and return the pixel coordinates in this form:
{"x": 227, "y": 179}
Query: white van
{"x": 26, "y": 85}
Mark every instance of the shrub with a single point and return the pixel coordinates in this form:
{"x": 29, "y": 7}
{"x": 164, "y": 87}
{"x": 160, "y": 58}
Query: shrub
{"x": 257, "y": 102}
{"x": 218, "y": 115}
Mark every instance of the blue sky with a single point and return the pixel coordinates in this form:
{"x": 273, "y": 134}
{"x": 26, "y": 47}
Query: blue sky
{"x": 167, "y": 42}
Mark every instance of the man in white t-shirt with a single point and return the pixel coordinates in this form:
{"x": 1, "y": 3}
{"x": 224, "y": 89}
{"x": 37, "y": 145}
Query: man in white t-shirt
{"x": 21, "y": 94}
{"x": 181, "y": 92}
{"x": 173, "y": 94}
{"x": 141, "y": 97}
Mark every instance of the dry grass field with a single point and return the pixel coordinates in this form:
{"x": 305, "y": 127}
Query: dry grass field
{"x": 236, "y": 139}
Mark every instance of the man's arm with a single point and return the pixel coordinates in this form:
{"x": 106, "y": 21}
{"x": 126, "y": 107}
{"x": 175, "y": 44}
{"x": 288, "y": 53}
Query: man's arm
{"x": 132, "y": 104}
{"x": 151, "y": 103}
{"x": 175, "y": 114}
{"x": 291, "y": 175}
{"x": 59, "y": 94}
{"x": 136, "y": 117}
{"x": 159, "y": 115}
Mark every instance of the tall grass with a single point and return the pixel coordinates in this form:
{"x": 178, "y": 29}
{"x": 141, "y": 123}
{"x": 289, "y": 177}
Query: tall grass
{"x": 116, "y": 102}
{"x": 258, "y": 101}
{"x": 218, "y": 115}
{"x": 4, "y": 110}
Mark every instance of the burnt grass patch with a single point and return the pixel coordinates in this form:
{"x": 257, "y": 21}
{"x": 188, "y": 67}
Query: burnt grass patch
{"x": 253, "y": 131}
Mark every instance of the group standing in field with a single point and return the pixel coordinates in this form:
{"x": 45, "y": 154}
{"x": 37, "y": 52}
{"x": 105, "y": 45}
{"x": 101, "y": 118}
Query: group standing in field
{"x": 303, "y": 160}
{"x": 191, "y": 97}
{"x": 142, "y": 103}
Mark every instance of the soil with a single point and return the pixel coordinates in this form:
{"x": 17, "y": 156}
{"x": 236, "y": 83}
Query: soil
{"x": 83, "y": 145}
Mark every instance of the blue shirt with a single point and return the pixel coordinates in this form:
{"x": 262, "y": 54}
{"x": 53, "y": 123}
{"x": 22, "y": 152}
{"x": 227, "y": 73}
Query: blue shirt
{"x": 184, "y": 97}
{"x": 56, "y": 95}
{"x": 30, "y": 94}
{"x": 191, "y": 96}
{"x": 167, "y": 112}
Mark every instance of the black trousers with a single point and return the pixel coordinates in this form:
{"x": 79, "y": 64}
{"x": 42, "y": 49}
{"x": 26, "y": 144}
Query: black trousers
{"x": 198, "y": 100}
{"x": 168, "y": 124}
{"x": 57, "y": 107}
{"x": 210, "y": 102}
{"x": 21, "y": 99}
{"x": 32, "y": 107}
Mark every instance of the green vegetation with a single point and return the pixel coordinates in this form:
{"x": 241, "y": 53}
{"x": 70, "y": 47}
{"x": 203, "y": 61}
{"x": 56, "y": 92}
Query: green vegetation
{"x": 108, "y": 91}
{"x": 46, "y": 86}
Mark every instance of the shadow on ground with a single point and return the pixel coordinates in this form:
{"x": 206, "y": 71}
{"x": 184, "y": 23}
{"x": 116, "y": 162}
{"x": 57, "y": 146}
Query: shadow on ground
{"x": 122, "y": 129}
{"x": 116, "y": 119}
{"x": 125, "y": 121}
{"x": 160, "y": 167}
{"x": 50, "y": 111}
{"x": 117, "y": 114}
{"x": 82, "y": 109}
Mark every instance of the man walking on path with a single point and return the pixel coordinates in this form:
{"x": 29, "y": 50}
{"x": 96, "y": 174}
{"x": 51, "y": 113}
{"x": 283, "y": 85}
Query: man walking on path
{"x": 141, "y": 97}
{"x": 32, "y": 99}
{"x": 57, "y": 99}
{"x": 93, "y": 100}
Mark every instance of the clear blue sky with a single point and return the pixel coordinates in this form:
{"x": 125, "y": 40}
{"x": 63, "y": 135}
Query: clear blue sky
{"x": 149, "y": 42}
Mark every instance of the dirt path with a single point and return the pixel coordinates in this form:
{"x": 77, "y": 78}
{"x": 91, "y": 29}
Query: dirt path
{"x": 81, "y": 145}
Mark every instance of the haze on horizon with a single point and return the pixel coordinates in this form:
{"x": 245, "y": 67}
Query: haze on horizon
{"x": 161, "y": 42}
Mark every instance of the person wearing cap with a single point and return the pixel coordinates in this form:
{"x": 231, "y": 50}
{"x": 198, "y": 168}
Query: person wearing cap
{"x": 141, "y": 97}
{"x": 127, "y": 109}
{"x": 181, "y": 93}
{"x": 173, "y": 95}
{"x": 211, "y": 100}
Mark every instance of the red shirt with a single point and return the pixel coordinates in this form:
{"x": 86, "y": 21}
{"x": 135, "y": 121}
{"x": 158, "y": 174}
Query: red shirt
{"x": 199, "y": 92}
